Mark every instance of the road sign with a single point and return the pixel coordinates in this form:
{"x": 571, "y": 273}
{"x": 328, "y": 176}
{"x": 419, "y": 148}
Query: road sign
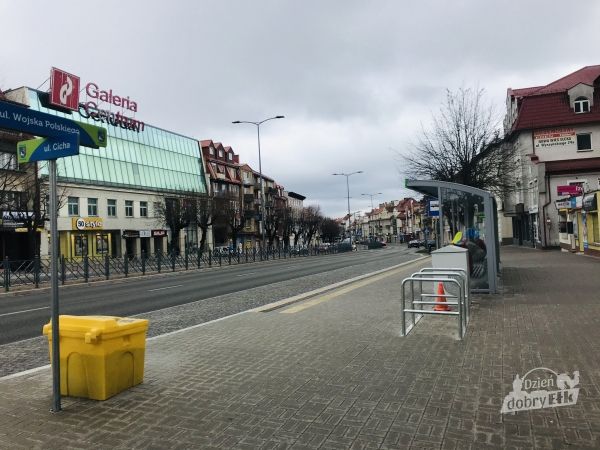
{"x": 20, "y": 118}
{"x": 42, "y": 149}
{"x": 434, "y": 208}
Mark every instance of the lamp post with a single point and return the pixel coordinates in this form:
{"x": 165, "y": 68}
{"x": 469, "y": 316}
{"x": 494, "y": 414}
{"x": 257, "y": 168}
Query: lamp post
{"x": 262, "y": 190}
{"x": 372, "y": 195}
{"x": 348, "y": 175}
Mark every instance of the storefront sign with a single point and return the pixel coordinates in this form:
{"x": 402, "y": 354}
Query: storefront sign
{"x": 131, "y": 233}
{"x": 20, "y": 118}
{"x": 563, "y": 204}
{"x": 42, "y": 149}
{"x": 159, "y": 233}
{"x": 569, "y": 189}
{"x": 576, "y": 202}
{"x": 145, "y": 233}
{"x": 64, "y": 89}
{"x": 87, "y": 223}
{"x": 558, "y": 137}
{"x": 590, "y": 202}
{"x": 15, "y": 218}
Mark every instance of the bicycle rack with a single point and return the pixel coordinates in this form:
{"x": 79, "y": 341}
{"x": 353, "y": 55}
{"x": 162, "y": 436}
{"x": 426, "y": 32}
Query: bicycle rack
{"x": 451, "y": 277}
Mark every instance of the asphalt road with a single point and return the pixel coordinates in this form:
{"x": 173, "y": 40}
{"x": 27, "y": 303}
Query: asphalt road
{"x": 22, "y": 314}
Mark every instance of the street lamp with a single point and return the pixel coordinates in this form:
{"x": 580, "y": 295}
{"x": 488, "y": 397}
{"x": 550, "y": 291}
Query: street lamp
{"x": 348, "y": 175}
{"x": 372, "y": 195}
{"x": 262, "y": 190}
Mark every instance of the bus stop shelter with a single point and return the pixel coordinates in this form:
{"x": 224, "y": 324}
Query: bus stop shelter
{"x": 468, "y": 218}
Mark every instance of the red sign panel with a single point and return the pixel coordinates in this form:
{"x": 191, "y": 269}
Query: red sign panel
{"x": 64, "y": 89}
{"x": 569, "y": 189}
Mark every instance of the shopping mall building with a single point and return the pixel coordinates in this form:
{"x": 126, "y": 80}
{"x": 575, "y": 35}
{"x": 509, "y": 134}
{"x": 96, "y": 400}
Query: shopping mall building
{"x": 109, "y": 197}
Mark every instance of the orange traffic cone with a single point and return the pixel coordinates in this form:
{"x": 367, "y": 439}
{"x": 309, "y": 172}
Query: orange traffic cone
{"x": 440, "y": 299}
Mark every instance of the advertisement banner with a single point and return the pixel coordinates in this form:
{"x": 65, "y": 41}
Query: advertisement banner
{"x": 557, "y": 137}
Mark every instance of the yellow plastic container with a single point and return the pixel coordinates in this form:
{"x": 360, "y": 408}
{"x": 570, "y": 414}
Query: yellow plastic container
{"x": 100, "y": 356}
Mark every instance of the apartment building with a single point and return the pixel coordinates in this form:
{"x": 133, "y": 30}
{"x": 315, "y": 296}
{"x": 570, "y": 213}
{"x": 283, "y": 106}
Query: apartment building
{"x": 554, "y": 131}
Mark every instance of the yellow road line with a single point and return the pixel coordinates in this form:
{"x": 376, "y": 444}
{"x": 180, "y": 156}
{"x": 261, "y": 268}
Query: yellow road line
{"x": 337, "y": 293}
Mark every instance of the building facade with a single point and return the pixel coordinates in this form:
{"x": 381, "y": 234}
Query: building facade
{"x": 110, "y": 196}
{"x": 554, "y": 131}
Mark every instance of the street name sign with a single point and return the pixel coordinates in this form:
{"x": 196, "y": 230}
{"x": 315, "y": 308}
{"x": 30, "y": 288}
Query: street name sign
{"x": 42, "y": 149}
{"x": 20, "y": 118}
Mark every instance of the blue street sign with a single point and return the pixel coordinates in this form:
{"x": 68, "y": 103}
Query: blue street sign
{"x": 20, "y": 118}
{"x": 434, "y": 208}
{"x": 42, "y": 149}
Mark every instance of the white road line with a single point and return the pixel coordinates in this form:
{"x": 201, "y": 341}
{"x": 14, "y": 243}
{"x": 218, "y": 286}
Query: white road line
{"x": 167, "y": 287}
{"x": 245, "y": 274}
{"x": 24, "y": 311}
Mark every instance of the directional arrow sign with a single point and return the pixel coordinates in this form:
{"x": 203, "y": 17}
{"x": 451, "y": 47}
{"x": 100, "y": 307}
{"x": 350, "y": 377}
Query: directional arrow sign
{"x": 20, "y": 118}
{"x": 47, "y": 148}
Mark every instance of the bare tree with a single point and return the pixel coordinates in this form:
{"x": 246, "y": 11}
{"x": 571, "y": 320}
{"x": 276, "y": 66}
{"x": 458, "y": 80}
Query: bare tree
{"x": 311, "y": 219}
{"x": 176, "y": 212}
{"x": 330, "y": 230}
{"x": 463, "y": 145}
{"x": 23, "y": 192}
{"x": 207, "y": 212}
{"x": 229, "y": 214}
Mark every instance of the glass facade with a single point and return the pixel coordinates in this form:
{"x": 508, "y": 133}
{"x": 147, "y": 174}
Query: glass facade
{"x": 151, "y": 159}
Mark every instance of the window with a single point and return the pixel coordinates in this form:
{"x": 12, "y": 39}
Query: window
{"x": 220, "y": 153}
{"x": 73, "y": 206}
{"x": 92, "y": 206}
{"x": 582, "y": 105}
{"x": 156, "y": 207}
{"x": 211, "y": 150}
{"x": 112, "y": 208}
{"x": 8, "y": 161}
{"x": 143, "y": 209}
{"x": 128, "y": 208}
{"x": 584, "y": 142}
{"x": 230, "y": 156}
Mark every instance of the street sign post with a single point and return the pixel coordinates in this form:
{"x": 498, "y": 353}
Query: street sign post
{"x": 60, "y": 137}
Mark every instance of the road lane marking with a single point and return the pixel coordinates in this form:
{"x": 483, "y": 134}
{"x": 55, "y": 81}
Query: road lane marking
{"x": 326, "y": 297}
{"x": 24, "y": 311}
{"x": 163, "y": 288}
{"x": 245, "y": 274}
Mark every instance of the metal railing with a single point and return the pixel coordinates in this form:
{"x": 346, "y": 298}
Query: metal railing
{"x": 87, "y": 268}
{"x": 455, "y": 297}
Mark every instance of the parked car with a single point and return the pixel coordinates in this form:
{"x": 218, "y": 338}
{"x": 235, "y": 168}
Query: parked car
{"x": 414, "y": 243}
{"x": 347, "y": 242}
{"x": 429, "y": 244}
{"x": 222, "y": 251}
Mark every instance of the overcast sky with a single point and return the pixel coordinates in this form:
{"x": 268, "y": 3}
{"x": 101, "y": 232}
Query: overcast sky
{"x": 354, "y": 78}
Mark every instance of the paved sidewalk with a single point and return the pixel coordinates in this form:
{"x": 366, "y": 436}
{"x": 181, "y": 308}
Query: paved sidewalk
{"x": 332, "y": 372}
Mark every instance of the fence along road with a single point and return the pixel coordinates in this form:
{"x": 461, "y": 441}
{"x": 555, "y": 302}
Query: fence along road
{"x": 23, "y": 314}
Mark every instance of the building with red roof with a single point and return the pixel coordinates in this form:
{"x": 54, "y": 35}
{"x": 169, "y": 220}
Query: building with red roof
{"x": 555, "y": 130}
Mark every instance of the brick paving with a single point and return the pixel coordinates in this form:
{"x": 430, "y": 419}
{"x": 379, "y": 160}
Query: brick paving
{"x": 338, "y": 375}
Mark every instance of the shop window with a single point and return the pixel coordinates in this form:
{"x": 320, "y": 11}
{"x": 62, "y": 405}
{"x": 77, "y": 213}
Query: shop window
{"x": 112, "y": 208}
{"x": 81, "y": 245}
{"x": 92, "y": 206}
{"x": 584, "y": 142}
{"x": 102, "y": 244}
{"x": 73, "y": 206}
{"x": 562, "y": 227}
{"x": 143, "y": 209}
{"x": 128, "y": 208}
{"x": 582, "y": 105}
